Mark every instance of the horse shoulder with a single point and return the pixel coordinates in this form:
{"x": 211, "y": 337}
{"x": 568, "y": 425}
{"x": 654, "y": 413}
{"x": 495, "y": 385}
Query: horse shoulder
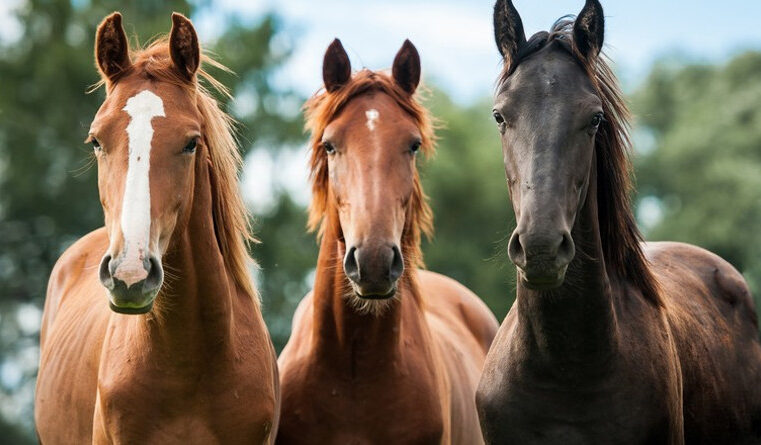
{"x": 706, "y": 276}
{"x": 449, "y": 300}
{"x": 292, "y": 363}
{"x": 711, "y": 313}
{"x": 298, "y": 342}
{"x": 81, "y": 257}
{"x": 463, "y": 329}
{"x": 71, "y": 337}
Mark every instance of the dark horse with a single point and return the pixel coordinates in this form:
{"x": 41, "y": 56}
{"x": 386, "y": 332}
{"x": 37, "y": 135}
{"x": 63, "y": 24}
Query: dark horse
{"x": 610, "y": 340}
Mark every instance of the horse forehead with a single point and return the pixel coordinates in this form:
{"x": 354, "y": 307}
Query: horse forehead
{"x": 375, "y": 115}
{"x": 132, "y": 100}
{"x": 145, "y": 104}
{"x": 552, "y": 71}
{"x": 373, "y": 105}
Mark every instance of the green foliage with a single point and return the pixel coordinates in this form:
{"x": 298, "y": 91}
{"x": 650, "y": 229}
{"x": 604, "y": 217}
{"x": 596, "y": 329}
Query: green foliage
{"x": 12, "y": 434}
{"x": 473, "y": 217}
{"x": 705, "y": 169}
{"x": 287, "y": 258}
{"x": 269, "y": 116}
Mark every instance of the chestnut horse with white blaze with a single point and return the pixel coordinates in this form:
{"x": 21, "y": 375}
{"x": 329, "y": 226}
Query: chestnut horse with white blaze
{"x": 381, "y": 352}
{"x": 610, "y": 340}
{"x": 127, "y": 355}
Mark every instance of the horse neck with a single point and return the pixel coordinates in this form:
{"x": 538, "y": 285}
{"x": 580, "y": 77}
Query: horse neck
{"x": 194, "y": 310}
{"x": 573, "y": 325}
{"x": 356, "y": 342}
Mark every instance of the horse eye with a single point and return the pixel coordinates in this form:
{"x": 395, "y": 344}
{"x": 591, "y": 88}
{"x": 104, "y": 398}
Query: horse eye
{"x": 415, "y": 147}
{"x": 329, "y": 148}
{"x": 95, "y": 144}
{"x": 498, "y": 117}
{"x": 191, "y": 147}
{"x": 596, "y": 120}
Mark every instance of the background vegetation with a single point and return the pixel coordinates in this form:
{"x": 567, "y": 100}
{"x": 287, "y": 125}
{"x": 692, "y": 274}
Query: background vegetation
{"x": 699, "y": 167}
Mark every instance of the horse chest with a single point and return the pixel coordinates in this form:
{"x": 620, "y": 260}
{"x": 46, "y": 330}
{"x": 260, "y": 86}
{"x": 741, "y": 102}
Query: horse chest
{"x": 394, "y": 408}
{"x": 522, "y": 409}
{"x": 161, "y": 407}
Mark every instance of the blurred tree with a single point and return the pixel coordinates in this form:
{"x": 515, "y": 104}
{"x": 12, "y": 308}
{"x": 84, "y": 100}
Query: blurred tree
{"x": 473, "y": 217}
{"x": 287, "y": 257}
{"x": 270, "y": 119}
{"x": 48, "y": 192}
{"x": 704, "y": 171}
{"x": 270, "y": 116}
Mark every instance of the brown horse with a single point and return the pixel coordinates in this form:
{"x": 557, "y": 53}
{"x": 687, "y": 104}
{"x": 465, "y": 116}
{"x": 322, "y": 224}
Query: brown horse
{"x": 381, "y": 352}
{"x": 610, "y": 340}
{"x": 193, "y": 363}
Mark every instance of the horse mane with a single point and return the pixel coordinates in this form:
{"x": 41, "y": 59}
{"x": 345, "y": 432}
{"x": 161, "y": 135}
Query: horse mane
{"x": 324, "y": 107}
{"x": 231, "y": 218}
{"x": 621, "y": 238}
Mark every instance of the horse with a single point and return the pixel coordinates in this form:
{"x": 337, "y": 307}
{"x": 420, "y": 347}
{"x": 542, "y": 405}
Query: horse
{"x": 610, "y": 339}
{"x": 128, "y": 356}
{"x": 381, "y": 351}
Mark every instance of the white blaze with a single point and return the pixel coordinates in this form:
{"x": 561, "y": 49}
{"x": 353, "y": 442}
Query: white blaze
{"x": 136, "y": 202}
{"x": 372, "y": 115}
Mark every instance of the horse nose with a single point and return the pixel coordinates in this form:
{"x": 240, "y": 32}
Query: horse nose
{"x": 374, "y": 270}
{"x": 131, "y": 289}
{"x": 351, "y": 268}
{"x": 397, "y": 265}
{"x": 105, "y": 272}
{"x": 541, "y": 253}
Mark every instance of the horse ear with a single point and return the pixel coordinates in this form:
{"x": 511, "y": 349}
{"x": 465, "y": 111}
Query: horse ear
{"x": 589, "y": 29}
{"x": 508, "y": 30}
{"x": 336, "y": 68}
{"x": 111, "y": 47}
{"x": 406, "y": 68}
{"x": 184, "y": 47}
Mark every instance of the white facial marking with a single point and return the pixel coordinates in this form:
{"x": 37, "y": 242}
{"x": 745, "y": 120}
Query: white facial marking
{"x": 136, "y": 202}
{"x": 372, "y": 115}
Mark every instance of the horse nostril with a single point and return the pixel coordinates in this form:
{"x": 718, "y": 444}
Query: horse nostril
{"x": 566, "y": 250}
{"x": 515, "y": 250}
{"x": 105, "y": 273}
{"x": 155, "y": 274}
{"x": 351, "y": 267}
{"x": 397, "y": 265}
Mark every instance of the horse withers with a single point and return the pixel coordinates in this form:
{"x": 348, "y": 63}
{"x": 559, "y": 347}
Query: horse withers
{"x": 381, "y": 351}
{"x": 152, "y": 330}
{"x": 610, "y": 340}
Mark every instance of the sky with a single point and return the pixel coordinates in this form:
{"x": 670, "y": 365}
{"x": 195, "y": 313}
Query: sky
{"x": 456, "y": 42}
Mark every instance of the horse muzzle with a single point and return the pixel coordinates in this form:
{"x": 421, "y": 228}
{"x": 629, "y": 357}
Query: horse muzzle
{"x": 544, "y": 279}
{"x": 542, "y": 259}
{"x": 132, "y": 288}
{"x": 374, "y": 271}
